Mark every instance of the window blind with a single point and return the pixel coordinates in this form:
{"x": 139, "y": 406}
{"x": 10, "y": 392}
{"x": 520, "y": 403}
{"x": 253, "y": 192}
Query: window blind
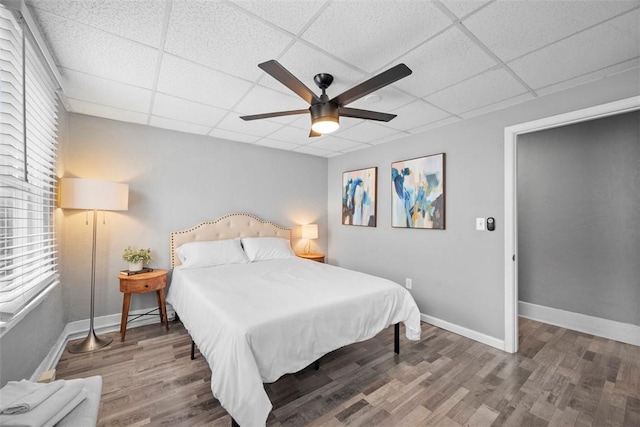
{"x": 28, "y": 144}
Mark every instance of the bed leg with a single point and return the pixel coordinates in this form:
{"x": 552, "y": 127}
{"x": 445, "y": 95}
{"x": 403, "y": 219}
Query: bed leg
{"x": 396, "y": 338}
{"x": 316, "y": 364}
{"x": 234, "y": 423}
{"x": 193, "y": 350}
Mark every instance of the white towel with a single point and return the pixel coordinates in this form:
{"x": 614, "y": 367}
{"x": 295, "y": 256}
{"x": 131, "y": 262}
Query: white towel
{"x": 53, "y": 409}
{"x": 23, "y": 396}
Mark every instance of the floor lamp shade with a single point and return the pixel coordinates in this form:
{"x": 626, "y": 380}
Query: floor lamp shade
{"x": 82, "y": 193}
{"x": 92, "y": 194}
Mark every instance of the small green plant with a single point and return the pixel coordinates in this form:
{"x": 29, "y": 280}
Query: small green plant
{"x": 136, "y": 255}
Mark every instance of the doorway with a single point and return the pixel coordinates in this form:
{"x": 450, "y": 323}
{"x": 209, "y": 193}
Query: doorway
{"x": 510, "y": 186}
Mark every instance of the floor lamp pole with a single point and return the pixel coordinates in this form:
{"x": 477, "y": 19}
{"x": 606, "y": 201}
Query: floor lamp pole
{"x": 92, "y": 341}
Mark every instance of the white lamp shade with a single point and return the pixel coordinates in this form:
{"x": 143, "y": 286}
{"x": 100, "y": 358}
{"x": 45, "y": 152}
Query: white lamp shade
{"x": 81, "y": 193}
{"x": 310, "y": 231}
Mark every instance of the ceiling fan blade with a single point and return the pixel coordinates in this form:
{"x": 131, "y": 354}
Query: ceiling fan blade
{"x": 365, "y": 114}
{"x": 313, "y": 133}
{"x": 278, "y": 72}
{"x": 274, "y": 114}
{"x": 374, "y": 83}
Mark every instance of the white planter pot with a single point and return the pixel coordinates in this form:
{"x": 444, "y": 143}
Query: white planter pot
{"x": 135, "y": 266}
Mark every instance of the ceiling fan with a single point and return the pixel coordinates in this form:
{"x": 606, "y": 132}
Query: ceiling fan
{"x": 325, "y": 112}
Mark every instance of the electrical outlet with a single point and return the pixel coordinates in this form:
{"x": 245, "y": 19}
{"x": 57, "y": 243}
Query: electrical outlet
{"x": 408, "y": 283}
{"x": 480, "y": 224}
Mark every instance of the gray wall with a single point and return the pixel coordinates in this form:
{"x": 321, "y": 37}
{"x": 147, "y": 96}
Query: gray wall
{"x": 457, "y": 273}
{"x": 28, "y": 343}
{"x": 579, "y": 218}
{"x": 176, "y": 180}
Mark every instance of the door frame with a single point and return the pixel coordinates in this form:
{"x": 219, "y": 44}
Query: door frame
{"x": 511, "y": 134}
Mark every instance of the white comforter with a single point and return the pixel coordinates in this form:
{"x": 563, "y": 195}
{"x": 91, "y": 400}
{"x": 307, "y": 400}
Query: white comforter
{"x": 256, "y": 322}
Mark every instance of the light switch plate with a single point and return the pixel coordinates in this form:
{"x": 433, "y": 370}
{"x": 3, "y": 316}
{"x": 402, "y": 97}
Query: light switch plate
{"x": 480, "y": 224}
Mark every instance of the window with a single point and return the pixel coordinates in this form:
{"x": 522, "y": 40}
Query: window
{"x": 28, "y": 142}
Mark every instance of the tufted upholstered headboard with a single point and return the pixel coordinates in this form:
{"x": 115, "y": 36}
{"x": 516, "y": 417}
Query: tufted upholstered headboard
{"x": 228, "y": 227}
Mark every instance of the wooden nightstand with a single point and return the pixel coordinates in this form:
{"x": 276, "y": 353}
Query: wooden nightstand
{"x": 155, "y": 280}
{"x": 313, "y": 257}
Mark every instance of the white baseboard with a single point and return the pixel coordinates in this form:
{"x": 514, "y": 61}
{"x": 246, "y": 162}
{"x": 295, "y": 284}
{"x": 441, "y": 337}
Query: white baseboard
{"x": 465, "y": 332}
{"x": 611, "y": 329}
{"x": 102, "y": 325}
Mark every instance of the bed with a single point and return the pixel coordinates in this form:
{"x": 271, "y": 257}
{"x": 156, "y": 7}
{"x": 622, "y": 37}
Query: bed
{"x": 274, "y": 313}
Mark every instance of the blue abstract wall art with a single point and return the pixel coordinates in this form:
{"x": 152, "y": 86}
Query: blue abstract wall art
{"x": 359, "y": 197}
{"x": 417, "y": 193}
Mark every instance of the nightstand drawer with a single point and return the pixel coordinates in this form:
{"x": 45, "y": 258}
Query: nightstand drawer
{"x": 146, "y": 285}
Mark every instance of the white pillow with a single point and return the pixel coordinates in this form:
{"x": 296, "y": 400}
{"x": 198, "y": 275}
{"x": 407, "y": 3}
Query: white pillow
{"x": 267, "y": 248}
{"x": 211, "y": 253}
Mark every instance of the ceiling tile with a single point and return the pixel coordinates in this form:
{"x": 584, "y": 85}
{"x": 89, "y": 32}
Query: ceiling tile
{"x": 332, "y": 143}
{"x": 371, "y": 34}
{"x": 107, "y": 92}
{"x": 263, "y": 100}
{"x": 137, "y": 20}
{"x": 389, "y": 138}
{"x": 484, "y": 89}
{"x": 286, "y": 14}
{"x": 525, "y": 26}
{"x": 233, "y": 136}
{"x": 95, "y": 52}
{"x": 281, "y": 145}
{"x": 615, "y": 41}
{"x": 498, "y": 105}
{"x": 416, "y": 114}
{"x": 595, "y": 75}
{"x": 383, "y": 100}
{"x": 163, "y": 122}
{"x": 443, "y": 61}
{"x": 439, "y": 123}
{"x": 356, "y": 148}
{"x": 367, "y": 131}
{"x": 462, "y": 8}
{"x": 346, "y": 123}
{"x": 301, "y": 122}
{"x": 315, "y": 151}
{"x": 233, "y": 122}
{"x": 186, "y": 111}
{"x": 221, "y": 36}
{"x": 196, "y": 82}
{"x": 91, "y": 109}
{"x": 292, "y": 135}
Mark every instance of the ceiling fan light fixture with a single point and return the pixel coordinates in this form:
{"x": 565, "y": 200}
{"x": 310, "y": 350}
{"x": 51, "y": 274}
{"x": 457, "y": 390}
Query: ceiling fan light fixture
{"x": 325, "y": 124}
{"x": 324, "y": 118}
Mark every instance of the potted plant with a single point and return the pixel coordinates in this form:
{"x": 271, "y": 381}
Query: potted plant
{"x": 136, "y": 257}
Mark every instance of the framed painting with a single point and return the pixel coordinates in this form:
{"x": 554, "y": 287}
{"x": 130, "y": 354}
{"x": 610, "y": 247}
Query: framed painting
{"x": 359, "y": 190}
{"x": 418, "y": 193}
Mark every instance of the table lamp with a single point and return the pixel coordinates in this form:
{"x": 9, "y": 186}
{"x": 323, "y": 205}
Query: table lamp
{"x": 309, "y": 232}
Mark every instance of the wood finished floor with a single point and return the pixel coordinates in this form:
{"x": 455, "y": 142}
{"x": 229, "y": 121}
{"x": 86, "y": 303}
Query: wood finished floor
{"x": 559, "y": 378}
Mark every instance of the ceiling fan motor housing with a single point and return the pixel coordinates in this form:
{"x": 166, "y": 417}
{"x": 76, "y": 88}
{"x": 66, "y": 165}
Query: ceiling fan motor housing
{"x": 324, "y": 109}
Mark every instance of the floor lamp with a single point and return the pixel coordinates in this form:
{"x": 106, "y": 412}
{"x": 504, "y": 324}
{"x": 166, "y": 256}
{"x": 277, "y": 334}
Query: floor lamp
{"x": 91, "y": 194}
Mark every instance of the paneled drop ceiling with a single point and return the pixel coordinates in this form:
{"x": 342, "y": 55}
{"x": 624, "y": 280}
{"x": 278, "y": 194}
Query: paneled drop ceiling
{"x": 191, "y": 66}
